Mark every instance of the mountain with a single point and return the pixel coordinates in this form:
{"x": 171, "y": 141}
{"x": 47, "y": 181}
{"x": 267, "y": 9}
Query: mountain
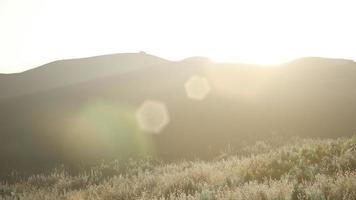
{"x": 66, "y": 72}
{"x": 96, "y": 118}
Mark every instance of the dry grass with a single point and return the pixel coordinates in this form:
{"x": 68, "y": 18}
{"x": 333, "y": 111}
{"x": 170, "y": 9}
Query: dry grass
{"x": 302, "y": 169}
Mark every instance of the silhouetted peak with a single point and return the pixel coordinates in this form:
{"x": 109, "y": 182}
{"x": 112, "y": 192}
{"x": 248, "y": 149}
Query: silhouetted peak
{"x": 102, "y": 60}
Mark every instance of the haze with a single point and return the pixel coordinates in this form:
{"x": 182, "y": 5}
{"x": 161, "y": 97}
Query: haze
{"x": 35, "y": 32}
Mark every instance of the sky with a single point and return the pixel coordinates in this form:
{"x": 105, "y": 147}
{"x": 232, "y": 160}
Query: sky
{"x": 34, "y": 32}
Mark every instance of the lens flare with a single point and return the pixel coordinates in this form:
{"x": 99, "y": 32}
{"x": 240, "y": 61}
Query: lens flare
{"x": 106, "y": 129}
{"x": 197, "y": 87}
{"x": 152, "y": 116}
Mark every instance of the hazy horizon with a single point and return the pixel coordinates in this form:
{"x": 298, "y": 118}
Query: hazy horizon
{"x": 193, "y": 56}
{"x": 37, "y": 32}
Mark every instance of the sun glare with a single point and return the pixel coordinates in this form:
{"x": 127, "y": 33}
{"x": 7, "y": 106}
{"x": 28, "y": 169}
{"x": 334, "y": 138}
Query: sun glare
{"x": 261, "y": 32}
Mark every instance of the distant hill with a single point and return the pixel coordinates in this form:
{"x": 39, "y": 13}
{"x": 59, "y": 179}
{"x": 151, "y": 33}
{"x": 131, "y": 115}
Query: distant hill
{"x": 66, "y": 72}
{"x": 86, "y": 108}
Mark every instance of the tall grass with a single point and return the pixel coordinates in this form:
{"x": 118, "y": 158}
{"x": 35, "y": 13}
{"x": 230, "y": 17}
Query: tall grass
{"x": 310, "y": 169}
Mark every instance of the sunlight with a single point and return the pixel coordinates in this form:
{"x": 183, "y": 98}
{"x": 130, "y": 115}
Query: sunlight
{"x": 234, "y": 99}
{"x": 256, "y": 32}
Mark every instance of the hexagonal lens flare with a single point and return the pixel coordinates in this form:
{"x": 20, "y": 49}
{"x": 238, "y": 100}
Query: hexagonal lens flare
{"x": 197, "y": 87}
{"x": 152, "y": 116}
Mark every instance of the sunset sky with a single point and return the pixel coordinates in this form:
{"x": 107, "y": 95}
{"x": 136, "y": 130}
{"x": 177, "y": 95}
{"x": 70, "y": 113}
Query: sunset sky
{"x": 34, "y": 32}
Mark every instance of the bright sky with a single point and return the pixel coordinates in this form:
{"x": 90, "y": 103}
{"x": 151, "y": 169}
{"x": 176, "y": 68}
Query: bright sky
{"x": 34, "y": 32}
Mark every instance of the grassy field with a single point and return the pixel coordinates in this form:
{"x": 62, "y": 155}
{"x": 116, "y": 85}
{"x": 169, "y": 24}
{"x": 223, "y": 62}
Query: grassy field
{"x": 313, "y": 169}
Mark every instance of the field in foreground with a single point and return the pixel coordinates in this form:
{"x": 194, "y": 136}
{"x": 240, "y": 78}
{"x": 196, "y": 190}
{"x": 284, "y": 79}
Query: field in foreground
{"x": 300, "y": 169}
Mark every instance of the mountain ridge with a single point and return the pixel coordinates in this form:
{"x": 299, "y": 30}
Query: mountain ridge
{"x": 243, "y": 102}
{"x": 62, "y": 72}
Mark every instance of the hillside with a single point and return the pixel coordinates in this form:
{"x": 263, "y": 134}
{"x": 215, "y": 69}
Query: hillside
{"x": 67, "y": 72}
{"x": 299, "y": 169}
{"x": 96, "y": 119}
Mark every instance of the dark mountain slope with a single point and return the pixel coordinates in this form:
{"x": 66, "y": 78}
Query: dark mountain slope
{"x": 96, "y": 119}
{"x": 67, "y": 72}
